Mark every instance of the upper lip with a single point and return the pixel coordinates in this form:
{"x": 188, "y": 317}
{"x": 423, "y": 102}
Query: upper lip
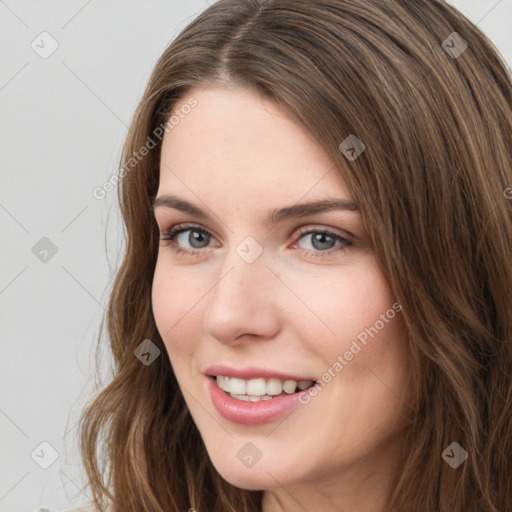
{"x": 252, "y": 372}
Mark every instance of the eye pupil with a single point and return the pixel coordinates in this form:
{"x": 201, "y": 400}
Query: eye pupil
{"x": 321, "y": 239}
{"x": 196, "y": 237}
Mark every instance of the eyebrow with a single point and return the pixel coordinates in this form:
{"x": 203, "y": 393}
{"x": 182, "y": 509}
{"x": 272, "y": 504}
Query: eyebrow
{"x": 277, "y": 215}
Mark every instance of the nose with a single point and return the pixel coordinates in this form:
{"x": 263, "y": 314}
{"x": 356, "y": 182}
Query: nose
{"x": 242, "y": 302}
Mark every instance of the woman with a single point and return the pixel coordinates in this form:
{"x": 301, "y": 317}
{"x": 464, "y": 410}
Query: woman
{"x": 313, "y": 311}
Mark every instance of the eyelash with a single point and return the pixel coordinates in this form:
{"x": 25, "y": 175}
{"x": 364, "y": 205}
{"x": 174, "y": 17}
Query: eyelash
{"x": 174, "y": 231}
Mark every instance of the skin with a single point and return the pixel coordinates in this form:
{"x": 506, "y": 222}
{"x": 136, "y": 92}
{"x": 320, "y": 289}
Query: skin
{"x": 295, "y": 309}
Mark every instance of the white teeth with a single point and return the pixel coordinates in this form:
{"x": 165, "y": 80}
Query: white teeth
{"x": 250, "y": 398}
{"x": 274, "y": 387}
{"x": 237, "y": 386}
{"x": 290, "y": 386}
{"x": 223, "y": 382}
{"x": 258, "y": 389}
{"x": 245, "y": 398}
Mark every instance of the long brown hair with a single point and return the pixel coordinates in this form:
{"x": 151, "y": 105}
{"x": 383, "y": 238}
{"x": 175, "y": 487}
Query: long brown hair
{"x": 431, "y": 99}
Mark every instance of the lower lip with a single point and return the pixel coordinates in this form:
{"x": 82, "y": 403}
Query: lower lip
{"x": 251, "y": 413}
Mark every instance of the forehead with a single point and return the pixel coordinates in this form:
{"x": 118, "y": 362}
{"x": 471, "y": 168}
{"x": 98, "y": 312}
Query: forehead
{"x": 242, "y": 143}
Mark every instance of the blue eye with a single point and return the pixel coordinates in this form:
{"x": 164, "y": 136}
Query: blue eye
{"x": 322, "y": 241}
{"x": 195, "y": 238}
{"x": 320, "y": 238}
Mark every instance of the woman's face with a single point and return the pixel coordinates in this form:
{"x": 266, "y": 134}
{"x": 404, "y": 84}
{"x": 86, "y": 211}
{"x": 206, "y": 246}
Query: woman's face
{"x": 266, "y": 304}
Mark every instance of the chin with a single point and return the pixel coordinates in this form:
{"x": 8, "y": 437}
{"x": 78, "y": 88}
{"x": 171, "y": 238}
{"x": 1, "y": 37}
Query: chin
{"x": 251, "y": 480}
{"x": 259, "y": 477}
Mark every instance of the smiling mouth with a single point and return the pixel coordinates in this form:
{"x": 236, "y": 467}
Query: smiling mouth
{"x": 259, "y": 389}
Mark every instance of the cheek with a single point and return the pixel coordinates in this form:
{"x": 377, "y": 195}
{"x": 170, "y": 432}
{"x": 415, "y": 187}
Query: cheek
{"x": 342, "y": 304}
{"x": 163, "y": 300}
{"x": 173, "y": 303}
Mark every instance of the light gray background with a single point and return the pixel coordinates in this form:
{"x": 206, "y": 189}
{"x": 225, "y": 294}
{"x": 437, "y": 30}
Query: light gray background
{"x": 63, "y": 120}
